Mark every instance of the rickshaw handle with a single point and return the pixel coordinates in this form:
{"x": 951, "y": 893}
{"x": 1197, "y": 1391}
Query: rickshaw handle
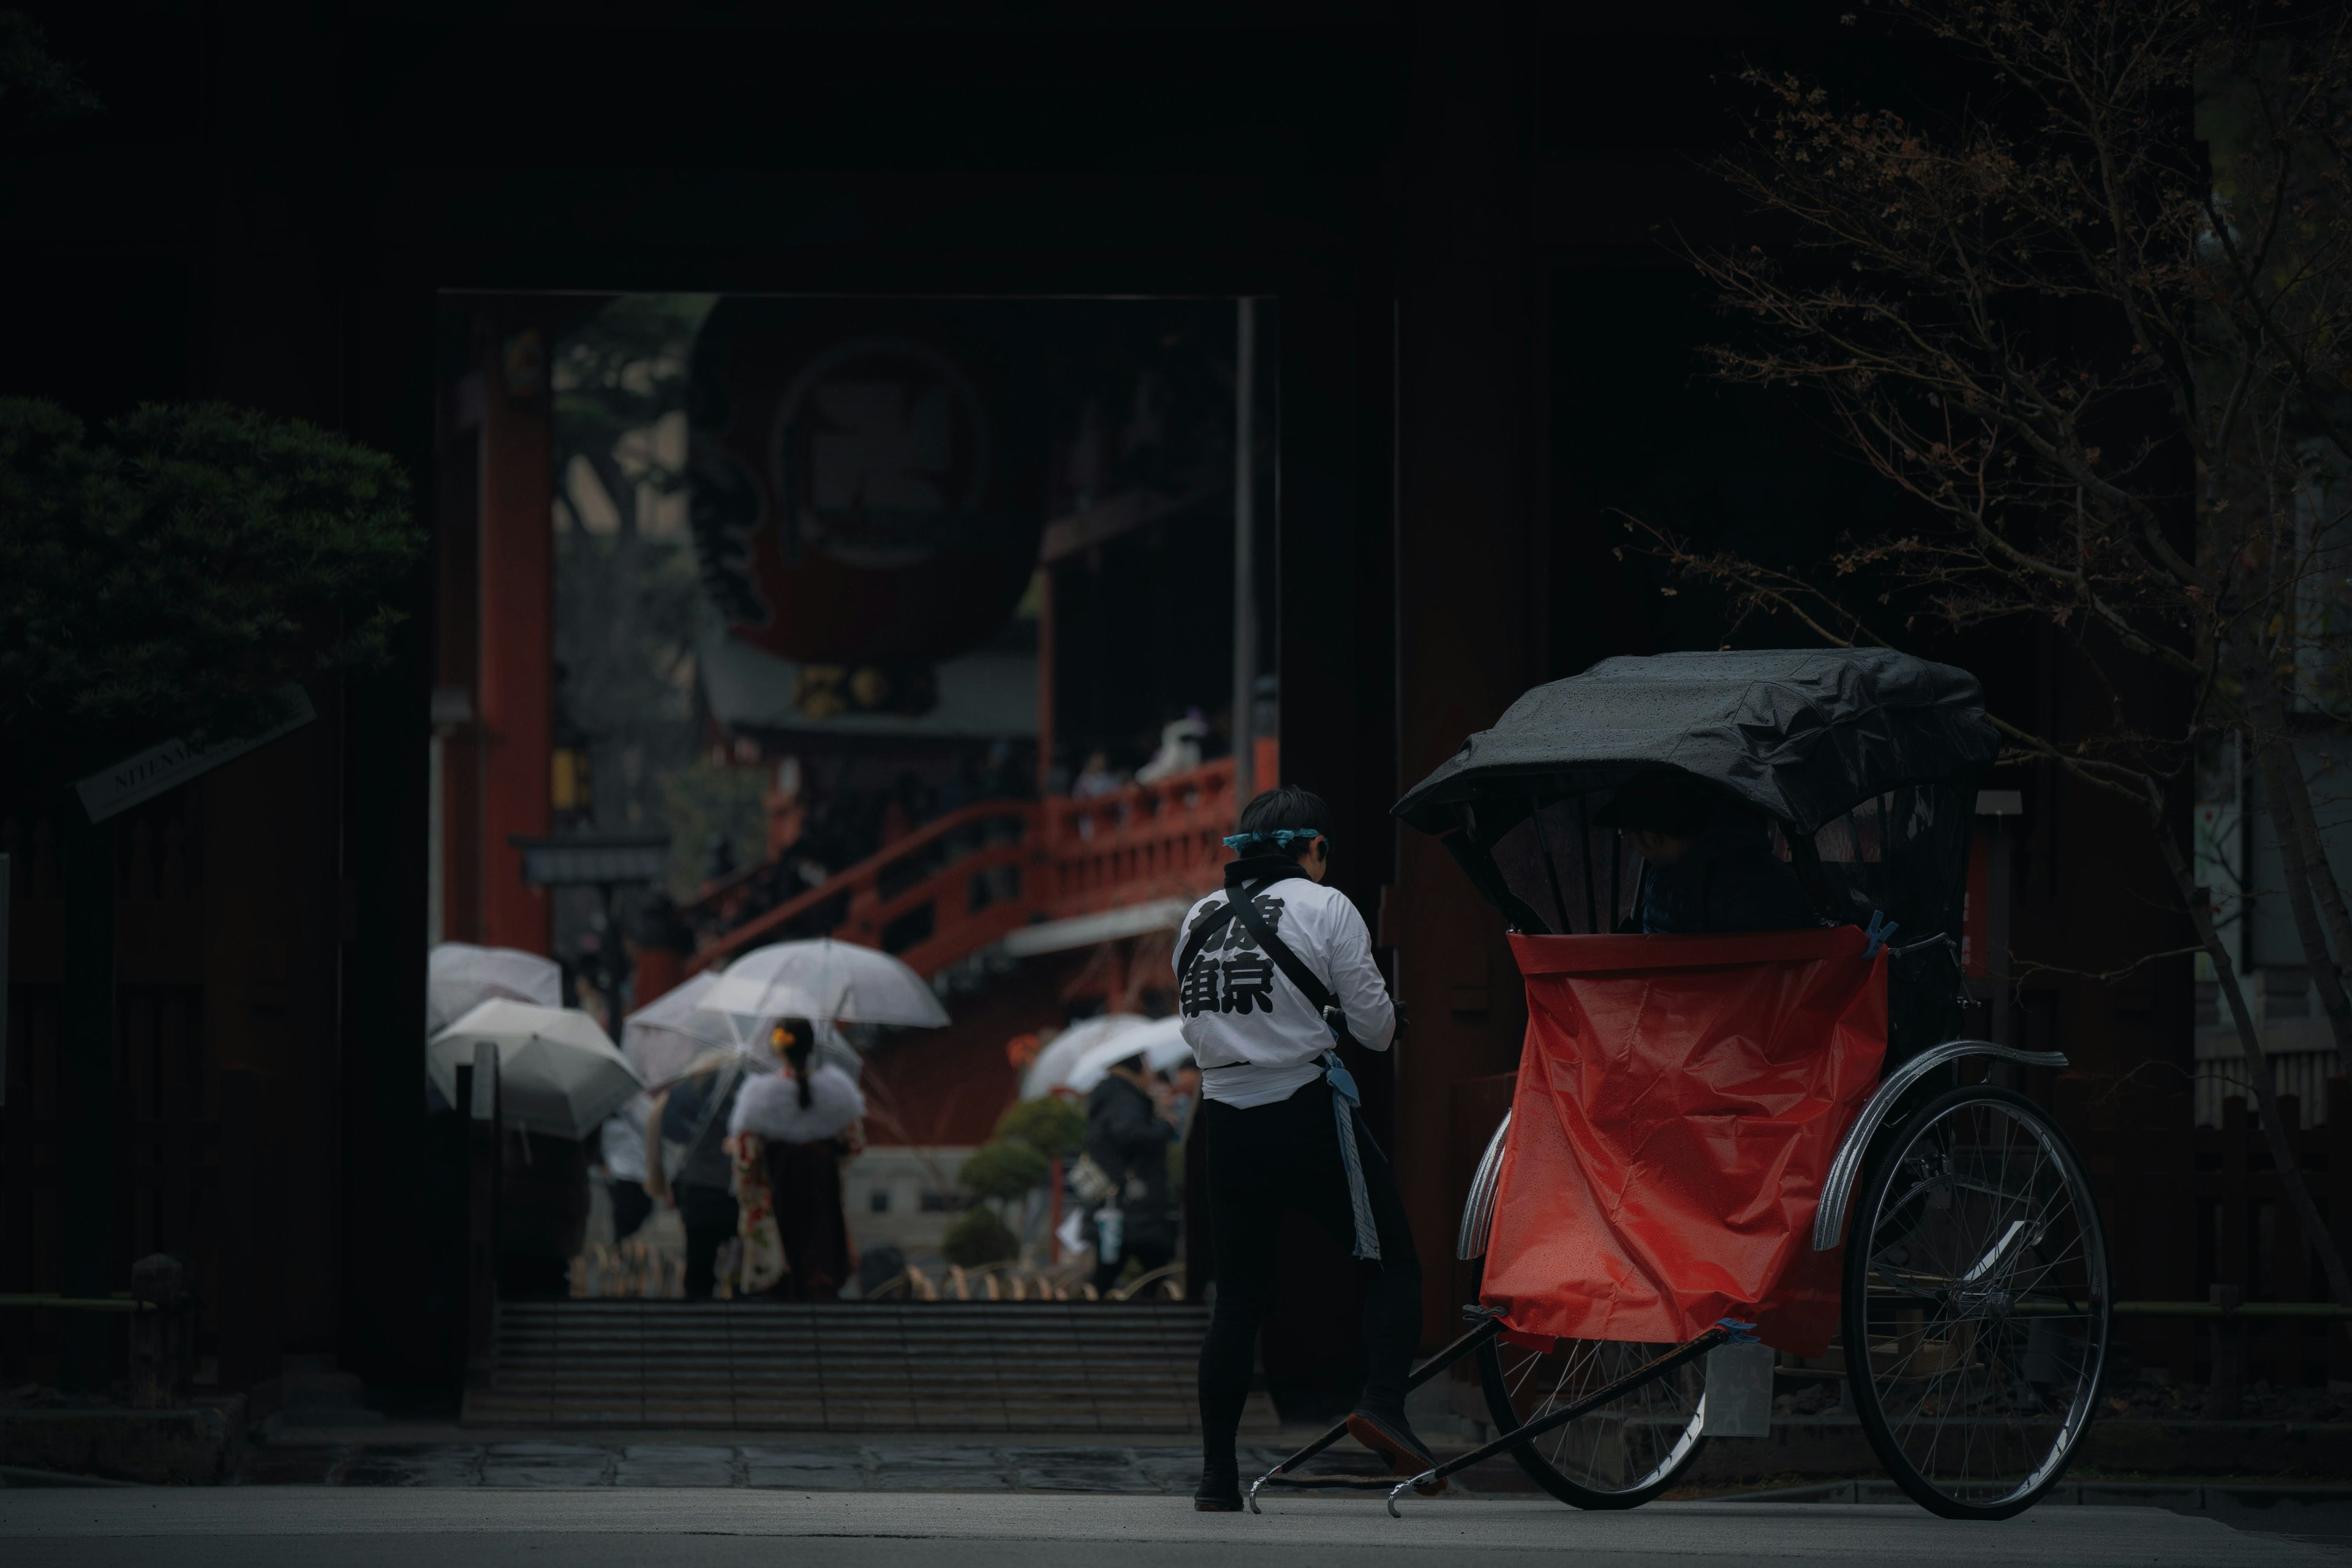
{"x": 1488, "y": 1325}
{"x": 1837, "y": 1191}
{"x": 1650, "y": 1373}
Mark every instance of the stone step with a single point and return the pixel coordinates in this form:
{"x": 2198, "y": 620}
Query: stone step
{"x": 1046, "y": 1367}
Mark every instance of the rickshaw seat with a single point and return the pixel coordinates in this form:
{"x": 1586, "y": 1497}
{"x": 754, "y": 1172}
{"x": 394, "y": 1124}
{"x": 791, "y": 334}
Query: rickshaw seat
{"x": 1679, "y": 1103}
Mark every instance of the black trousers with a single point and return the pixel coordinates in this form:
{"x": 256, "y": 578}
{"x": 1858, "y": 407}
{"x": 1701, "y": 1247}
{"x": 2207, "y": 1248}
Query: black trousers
{"x": 1152, "y": 1254}
{"x": 1263, "y": 1163}
{"x": 710, "y": 1215}
{"x": 632, "y": 1206}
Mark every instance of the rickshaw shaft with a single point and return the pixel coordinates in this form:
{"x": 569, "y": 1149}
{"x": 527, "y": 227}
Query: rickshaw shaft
{"x": 1485, "y": 1331}
{"x": 1615, "y": 1390}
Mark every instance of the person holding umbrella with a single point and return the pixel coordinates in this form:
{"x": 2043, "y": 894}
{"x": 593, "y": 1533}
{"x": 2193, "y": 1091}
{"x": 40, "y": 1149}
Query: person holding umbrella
{"x": 693, "y": 1112}
{"x": 557, "y": 1078}
{"x": 799, "y": 1124}
{"x": 1127, "y": 1134}
{"x": 799, "y": 981}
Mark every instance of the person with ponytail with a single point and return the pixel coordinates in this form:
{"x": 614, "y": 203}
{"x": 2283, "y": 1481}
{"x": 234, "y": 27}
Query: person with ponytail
{"x": 806, "y": 1120}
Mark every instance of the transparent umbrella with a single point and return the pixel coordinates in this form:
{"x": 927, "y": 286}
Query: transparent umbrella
{"x": 662, "y": 1037}
{"x": 1062, "y": 1052}
{"x": 825, "y": 980}
{"x": 1161, "y": 1042}
{"x": 667, "y": 1035}
{"x": 460, "y": 976}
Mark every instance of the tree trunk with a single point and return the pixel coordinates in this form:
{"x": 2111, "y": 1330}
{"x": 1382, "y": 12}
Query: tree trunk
{"x": 2311, "y": 887}
{"x": 2274, "y": 1131}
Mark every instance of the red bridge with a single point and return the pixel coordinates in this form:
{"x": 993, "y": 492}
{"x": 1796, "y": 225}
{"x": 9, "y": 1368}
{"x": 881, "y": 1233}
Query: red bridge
{"x": 983, "y": 874}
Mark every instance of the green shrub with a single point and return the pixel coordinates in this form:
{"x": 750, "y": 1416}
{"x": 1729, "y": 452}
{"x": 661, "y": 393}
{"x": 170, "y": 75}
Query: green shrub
{"x": 1055, "y": 1127}
{"x": 162, "y": 575}
{"x": 978, "y": 1236}
{"x": 1003, "y": 1170}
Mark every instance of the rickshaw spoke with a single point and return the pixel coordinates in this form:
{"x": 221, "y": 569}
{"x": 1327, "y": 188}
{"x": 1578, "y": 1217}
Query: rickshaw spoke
{"x": 2022, "y": 1291}
{"x": 1996, "y": 1255}
{"x": 1628, "y": 1448}
{"x": 1977, "y": 1393}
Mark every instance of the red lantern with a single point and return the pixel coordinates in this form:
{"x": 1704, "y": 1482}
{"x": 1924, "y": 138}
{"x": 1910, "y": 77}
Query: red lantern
{"x": 868, "y": 477}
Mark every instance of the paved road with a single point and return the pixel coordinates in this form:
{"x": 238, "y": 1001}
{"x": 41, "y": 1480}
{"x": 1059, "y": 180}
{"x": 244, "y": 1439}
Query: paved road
{"x": 258, "y": 1527}
{"x": 882, "y": 1464}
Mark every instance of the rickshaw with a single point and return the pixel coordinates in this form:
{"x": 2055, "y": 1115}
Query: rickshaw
{"x": 1767, "y": 1138}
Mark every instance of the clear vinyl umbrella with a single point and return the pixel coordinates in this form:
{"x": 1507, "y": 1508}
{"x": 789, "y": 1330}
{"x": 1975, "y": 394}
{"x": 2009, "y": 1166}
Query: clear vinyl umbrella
{"x": 664, "y": 1036}
{"x": 828, "y": 981}
{"x": 667, "y": 1035}
{"x": 1053, "y": 1064}
{"x": 460, "y": 977}
{"x": 1161, "y": 1043}
{"x": 558, "y": 1073}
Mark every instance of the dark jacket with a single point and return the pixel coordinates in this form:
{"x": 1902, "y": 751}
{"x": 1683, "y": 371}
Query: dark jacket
{"x": 1130, "y": 1140}
{"x": 1729, "y": 881}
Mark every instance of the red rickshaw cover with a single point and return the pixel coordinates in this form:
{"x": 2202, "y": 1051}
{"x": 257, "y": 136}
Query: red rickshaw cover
{"x": 1679, "y": 1102}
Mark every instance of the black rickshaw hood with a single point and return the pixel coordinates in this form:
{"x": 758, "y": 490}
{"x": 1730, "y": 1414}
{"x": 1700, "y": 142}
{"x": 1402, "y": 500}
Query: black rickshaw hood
{"x": 1800, "y": 734}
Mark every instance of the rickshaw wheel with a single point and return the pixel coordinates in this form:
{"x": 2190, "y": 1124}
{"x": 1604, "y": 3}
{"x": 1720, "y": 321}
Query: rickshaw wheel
{"x": 1620, "y": 1456}
{"x": 1975, "y": 1315}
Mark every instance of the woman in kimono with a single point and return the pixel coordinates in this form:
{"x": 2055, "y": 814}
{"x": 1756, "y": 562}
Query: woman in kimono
{"x": 806, "y": 1120}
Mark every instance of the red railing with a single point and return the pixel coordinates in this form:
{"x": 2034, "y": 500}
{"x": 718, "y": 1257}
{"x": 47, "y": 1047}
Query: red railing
{"x": 886, "y": 894}
{"x": 1148, "y": 841}
{"x": 968, "y": 879}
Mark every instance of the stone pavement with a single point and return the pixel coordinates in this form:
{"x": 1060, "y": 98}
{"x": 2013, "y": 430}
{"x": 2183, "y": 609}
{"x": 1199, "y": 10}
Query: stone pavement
{"x": 879, "y": 1465}
{"x": 257, "y": 1527}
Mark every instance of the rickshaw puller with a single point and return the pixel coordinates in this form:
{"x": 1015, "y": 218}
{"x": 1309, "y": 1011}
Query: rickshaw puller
{"x": 1282, "y": 1128}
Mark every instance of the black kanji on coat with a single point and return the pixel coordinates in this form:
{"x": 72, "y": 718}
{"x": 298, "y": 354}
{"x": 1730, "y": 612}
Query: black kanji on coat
{"x": 1248, "y": 972}
{"x": 1249, "y": 982}
{"x": 1199, "y": 992}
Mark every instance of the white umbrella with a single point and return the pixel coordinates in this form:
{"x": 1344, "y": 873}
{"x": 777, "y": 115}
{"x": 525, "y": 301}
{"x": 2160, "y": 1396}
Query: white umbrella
{"x": 662, "y": 1038}
{"x": 665, "y": 1033}
{"x": 459, "y": 977}
{"x": 557, "y": 1072}
{"x": 1062, "y": 1052}
{"x": 1161, "y": 1041}
{"x": 826, "y": 980}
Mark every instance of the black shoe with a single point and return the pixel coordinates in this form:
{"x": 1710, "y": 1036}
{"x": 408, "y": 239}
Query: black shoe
{"x": 1387, "y": 1433}
{"x": 1220, "y": 1490}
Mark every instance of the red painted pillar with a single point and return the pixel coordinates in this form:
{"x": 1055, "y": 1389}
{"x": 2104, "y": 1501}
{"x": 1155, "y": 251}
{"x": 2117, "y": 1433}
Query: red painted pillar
{"x": 660, "y": 971}
{"x": 518, "y": 623}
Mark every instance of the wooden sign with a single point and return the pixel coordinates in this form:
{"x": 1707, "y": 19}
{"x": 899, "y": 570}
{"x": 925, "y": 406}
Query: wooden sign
{"x": 116, "y": 789}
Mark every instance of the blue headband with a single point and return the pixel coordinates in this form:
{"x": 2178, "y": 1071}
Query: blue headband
{"x": 1281, "y": 838}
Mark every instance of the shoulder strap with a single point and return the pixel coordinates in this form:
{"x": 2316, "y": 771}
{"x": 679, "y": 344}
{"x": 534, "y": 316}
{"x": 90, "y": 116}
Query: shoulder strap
{"x": 1270, "y": 869}
{"x": 1209, "y": 924}
{"x": 1240, "y": 903}
{"x": 1318, "y": 995}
